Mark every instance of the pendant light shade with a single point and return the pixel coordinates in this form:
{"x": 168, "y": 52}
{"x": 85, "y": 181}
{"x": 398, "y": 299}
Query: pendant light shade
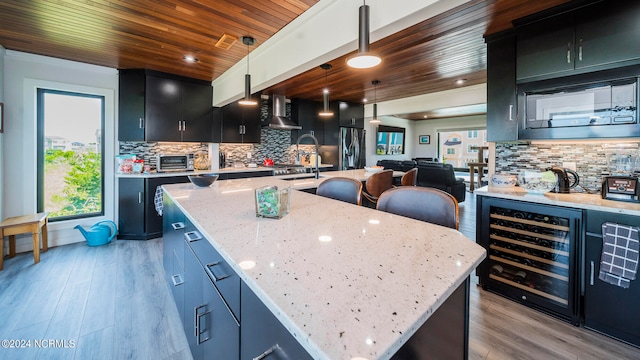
{"x": 364, "y": 58}
{"x": 247, "y": 100}
{"x": 374, "y": 119}
{"x": 326, "y": 112}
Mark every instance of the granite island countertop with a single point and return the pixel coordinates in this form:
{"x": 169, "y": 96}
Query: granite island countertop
{"x": 573, "y": 200}
{"x": 347, "y": 281}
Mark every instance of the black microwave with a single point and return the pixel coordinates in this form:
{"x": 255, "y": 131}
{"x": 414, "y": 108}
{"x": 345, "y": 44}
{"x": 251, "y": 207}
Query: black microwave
{"x": 174, "y": 162}
{"x": 600, "y": 108}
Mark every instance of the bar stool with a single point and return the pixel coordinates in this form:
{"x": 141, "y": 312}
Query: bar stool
{"x": 23, "y": 224}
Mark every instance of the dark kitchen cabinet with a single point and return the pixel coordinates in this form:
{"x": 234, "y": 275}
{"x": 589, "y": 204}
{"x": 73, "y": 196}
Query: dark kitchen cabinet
{"x": 600, "y": 36}
{"x": 212, "y": 331}
{"x": 305, "y": 114}
{"x": 263, "y": 336}
{"x": 348, "y": 114}
{"x": 137, "y": 215}
{"x": 501, "y": 88}
{"x": 156, "y": 106}
{"x": 240, "y": 124}
{"x": 173, "y": 252}
{"x": 532, "y": 254}
{"x": 608, "y": 308}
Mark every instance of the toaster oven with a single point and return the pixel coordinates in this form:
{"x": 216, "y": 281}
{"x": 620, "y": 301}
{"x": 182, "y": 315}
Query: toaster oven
{"x": 174, "y": 162}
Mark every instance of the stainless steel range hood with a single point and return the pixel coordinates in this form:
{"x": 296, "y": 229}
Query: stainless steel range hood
{"x": 277, "y": 115}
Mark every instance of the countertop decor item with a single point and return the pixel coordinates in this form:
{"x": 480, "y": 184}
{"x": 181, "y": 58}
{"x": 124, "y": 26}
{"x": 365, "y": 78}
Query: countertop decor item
{"x": 537, "y": 182}
{"x": 373, "y": 169}
{"x": 203, "y": 180}
{"x": 272, "y": 202}
{"x": 503, "y": 180}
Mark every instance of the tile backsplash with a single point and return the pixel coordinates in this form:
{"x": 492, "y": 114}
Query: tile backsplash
{"x": 274, "y": 144}
{"x": 590, "y": 158}
{"x": 147, "y": 151}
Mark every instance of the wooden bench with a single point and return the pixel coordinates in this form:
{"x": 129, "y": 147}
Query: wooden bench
{"x": 23, "y": 224}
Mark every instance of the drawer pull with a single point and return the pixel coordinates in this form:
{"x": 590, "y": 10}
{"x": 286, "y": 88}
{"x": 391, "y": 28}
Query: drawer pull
{"x": 214, "y": 276}
{"x": 177, "y": 226}
{"x": 268, "y": 352}
{"x": 593, "y": 268}
{"x": 192, "y": 236}
{"x": 179, "y": 281}
{"x": 199, "y": 328}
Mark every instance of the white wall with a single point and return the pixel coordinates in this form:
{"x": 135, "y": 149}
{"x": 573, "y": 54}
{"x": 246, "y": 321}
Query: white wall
{"x": 431, "y": 127}
{"x": 23, "y": 74}
{"x": 372, "y": 157}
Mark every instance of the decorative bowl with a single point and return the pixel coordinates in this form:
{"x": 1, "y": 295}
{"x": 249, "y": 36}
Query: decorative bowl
{"x": 537, "y": 182}
{"x": 503, "y": 180}
{"x": 203, "y": 180}
{"x": 373, "y": 169}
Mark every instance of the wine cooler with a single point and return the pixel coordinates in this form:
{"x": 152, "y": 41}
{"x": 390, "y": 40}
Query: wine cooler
{"x": 531, "y": 254}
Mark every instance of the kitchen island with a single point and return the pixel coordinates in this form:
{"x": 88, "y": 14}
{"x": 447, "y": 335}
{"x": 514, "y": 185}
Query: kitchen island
{"x": 347, "y": 282}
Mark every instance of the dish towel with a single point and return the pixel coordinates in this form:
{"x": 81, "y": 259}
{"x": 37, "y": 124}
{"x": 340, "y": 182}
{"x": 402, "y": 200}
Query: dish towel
{"x": 619, "y": 260}
{"x": 157, "y": 200}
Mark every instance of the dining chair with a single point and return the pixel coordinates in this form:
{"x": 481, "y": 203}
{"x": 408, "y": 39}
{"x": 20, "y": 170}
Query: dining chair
{"x": 421, "y": 203}
{"x": 341, "y": 188}
{"x": 376, "y": 184}
{"x": 410, "y": 178}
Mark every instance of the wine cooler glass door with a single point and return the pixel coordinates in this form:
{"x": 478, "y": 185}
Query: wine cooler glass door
{"x": 531, "y": 254}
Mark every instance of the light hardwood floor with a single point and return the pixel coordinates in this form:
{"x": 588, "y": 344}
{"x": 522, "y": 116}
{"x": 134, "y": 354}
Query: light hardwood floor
{"x": 112, "y": 302}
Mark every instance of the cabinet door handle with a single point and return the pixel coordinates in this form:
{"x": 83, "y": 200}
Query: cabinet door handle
{"x": 510, "y": 112}
{"x": 178, "y": 282}
{"x": 179, "y": 125}
{"x": 141, "y": 123}
{"x": 200, "y": 331}
{"x": 195, "y": 320}
{"x": 580, "y": 51}
{"x": 216, "y": 278}
{"x": 569, "y": 53}
{"x": 140, "y": 197}
{"x": 593, "y": 268}
{"x": 192, "y": 236}
{"x": 267, "y": 352}
{"x": 184, "y": 125}
{"x": 177, "y": 226}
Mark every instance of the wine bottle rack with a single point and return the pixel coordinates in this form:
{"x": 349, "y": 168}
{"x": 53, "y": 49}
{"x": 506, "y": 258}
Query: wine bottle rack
{"x": 530, "y": 253}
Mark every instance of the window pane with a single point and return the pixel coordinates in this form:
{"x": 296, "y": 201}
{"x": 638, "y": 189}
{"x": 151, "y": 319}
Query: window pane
{"x": 71, "y": 134}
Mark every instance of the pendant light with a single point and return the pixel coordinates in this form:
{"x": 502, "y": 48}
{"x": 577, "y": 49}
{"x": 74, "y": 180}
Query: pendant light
{"x": 247, "y": 100}
{"x": 326, "y": 112}
{"x": 374, "y": 119}
{"x": 363, "y": 59}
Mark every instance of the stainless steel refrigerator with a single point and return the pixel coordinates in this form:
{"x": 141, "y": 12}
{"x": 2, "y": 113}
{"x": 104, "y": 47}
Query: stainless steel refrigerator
{"x": 352, "y": 154}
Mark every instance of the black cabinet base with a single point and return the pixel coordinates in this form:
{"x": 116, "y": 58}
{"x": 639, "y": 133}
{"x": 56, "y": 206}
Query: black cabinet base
{"x": 138, "y": 236}
{"x": 445, "y": 335}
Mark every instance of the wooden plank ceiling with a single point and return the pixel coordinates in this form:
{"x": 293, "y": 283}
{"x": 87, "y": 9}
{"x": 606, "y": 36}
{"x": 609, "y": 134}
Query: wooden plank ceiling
{"x": 156, "y": 34}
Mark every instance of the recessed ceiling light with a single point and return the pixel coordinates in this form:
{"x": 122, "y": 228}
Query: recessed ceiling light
{"x": 190, "y": 59}
{"x": 460, "y": 81}
{"x": 425, "y": 116}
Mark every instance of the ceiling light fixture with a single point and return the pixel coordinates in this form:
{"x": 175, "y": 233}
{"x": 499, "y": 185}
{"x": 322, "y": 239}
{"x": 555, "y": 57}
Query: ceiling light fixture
{"x": 363, "y": 59}
{"x": 460, "y": 81}
{"x": 326, "y": 112}
{"x": 249, "y": 41}
{"x": 374, "y": 119}
{"x": 190, "y": 58}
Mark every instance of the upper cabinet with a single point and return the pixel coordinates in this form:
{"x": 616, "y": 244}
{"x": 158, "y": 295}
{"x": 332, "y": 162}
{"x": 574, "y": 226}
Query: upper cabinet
{"x": 305, "y": 114}
{"x": 502, "y": 108}
{"x": 155, "y": 106}
{"x": 596, "y": 37}
{"x": 240, "y": 124}
{"x": 348, "y": 114}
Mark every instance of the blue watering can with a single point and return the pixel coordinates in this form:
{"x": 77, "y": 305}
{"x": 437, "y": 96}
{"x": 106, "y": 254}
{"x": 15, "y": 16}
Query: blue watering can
{"x": 100, "y": 233}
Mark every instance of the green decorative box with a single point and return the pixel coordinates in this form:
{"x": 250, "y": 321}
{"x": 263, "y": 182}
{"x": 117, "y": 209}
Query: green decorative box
{"x": 272, "y": 202}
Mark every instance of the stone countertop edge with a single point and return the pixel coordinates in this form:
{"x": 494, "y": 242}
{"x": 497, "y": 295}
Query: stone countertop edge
{"x": 303, "y": 312}
{"x": 572, "y": 200}
{"x": 227, "y": 170}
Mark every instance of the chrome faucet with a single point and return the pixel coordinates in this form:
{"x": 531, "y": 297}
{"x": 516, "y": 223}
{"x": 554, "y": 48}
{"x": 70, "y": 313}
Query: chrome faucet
{"x": 315, "y": 141}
